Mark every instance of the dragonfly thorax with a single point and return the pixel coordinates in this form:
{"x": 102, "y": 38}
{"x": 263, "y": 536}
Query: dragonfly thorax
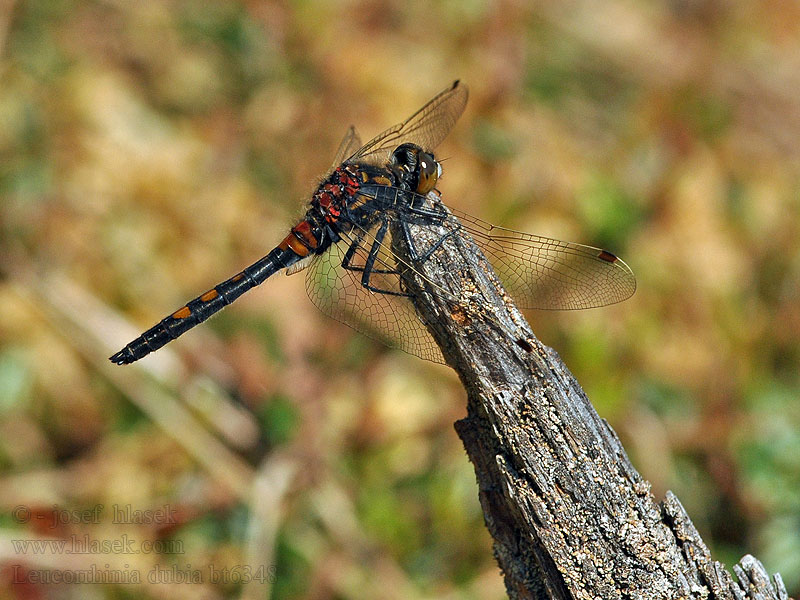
{"x": 333, "y": 193}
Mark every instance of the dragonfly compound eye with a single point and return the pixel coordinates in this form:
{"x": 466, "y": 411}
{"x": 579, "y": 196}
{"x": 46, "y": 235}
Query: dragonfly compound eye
{"x": 429, "y": 171}
{"x": 420, "y": 170}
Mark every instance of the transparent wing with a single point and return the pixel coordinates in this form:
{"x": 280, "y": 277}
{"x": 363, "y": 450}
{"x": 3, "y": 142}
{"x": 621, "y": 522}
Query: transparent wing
{"x": 538, "y": 272}
{"x": 426, "y": 128}
{"x": 338, "y": 293}
{"x": 543, "y": 273}
{"x": 350, "y": 143}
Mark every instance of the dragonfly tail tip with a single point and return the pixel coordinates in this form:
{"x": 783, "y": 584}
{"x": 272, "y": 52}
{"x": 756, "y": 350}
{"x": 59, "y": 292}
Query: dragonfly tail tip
{"x": 121, "y": 358}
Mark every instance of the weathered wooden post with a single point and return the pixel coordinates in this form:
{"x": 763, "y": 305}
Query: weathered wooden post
{"x": 570, "y": 516}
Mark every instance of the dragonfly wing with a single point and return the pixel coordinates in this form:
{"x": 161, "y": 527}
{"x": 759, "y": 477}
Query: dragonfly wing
{"x": 338, "y": 293}
{"x": 350, "y": 143}
{"x": 426, "y": 128}
{"x": 544, "y": 273}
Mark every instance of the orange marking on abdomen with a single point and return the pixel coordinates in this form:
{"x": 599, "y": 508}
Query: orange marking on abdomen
{"x": 209, "y": 295}
{"x": 238, "y": 277}
{"x": 291, "y": 241}
{"x": 303, "y": 230}
{"x": 182, "y": 313}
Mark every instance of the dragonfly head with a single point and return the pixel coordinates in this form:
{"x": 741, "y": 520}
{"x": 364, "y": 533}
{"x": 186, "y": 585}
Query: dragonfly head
{"x": 419, "y": 169}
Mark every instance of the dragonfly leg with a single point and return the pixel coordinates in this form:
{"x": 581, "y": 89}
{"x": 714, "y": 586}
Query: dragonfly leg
{"x": 369, "y": 269}
{"x": 435, "y": 215}
{"x": 348, "y": 257}
{"x": 413, "y": 252}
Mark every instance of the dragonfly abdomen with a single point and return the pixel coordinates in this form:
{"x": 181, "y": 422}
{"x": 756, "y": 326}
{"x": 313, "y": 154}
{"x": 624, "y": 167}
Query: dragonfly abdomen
{"x": 205, "y": 305}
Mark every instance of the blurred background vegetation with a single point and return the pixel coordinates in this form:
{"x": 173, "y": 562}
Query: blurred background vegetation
{"x": 149, "y": 150}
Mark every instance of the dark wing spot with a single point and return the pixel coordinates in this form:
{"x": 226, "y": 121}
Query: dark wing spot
{"x": 607, "y": 256}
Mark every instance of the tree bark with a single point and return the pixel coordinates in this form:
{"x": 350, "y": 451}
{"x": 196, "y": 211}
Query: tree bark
{"x": 569, "y": 515}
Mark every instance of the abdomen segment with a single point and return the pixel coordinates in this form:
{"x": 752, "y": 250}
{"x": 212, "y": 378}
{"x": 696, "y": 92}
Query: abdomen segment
{"x": 205, "y": 305}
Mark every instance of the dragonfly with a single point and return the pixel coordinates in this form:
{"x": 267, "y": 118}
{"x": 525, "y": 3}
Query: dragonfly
{"x": 344, "y": 243}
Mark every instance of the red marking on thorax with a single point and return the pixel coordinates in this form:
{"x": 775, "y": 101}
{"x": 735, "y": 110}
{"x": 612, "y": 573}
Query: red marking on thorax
{"x": 334, "y": 193}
